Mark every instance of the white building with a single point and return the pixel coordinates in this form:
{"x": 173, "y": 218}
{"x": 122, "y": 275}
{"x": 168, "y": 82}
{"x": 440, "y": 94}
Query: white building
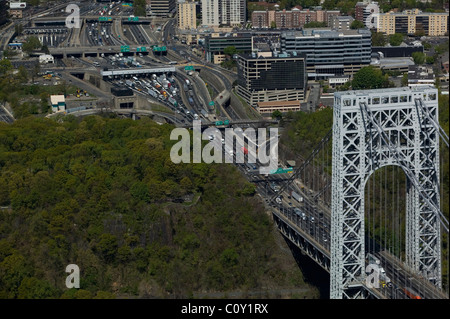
{"x": 58, "y": 103}
{"x": 46, "y": 58}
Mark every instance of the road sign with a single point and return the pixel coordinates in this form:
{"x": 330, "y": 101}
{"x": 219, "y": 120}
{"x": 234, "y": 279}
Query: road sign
{"x": 135, "y": 19}
{"x": 226, "y": 122}
{"x": 219, "y": 123}
{"x": 125, "y": 48}
{"x": 211, "y": 103}
{"x": 189, "y": 68}
{"x": 282, "y": 170}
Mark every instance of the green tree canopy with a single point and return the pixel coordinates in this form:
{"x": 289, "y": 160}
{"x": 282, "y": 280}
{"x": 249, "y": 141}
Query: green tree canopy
{"x": 378, "y": 39}
{"x": 369, "y": 77}
{"x": 356, "y": 24}
{"x": 418, "y": 57}
{"x": 396, "y": 39}
{"x": 32, "y": 43}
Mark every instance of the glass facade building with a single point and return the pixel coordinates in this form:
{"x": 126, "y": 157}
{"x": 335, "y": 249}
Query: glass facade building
{"x": 330, "y": 53}
{"x": 275, "y": 78}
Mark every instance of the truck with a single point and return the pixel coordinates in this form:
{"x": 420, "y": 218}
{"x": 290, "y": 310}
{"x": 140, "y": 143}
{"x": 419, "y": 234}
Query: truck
{"x": 187, "y": 82}
{"x": 297, "y": 197}
{"x": 191, "y": 101}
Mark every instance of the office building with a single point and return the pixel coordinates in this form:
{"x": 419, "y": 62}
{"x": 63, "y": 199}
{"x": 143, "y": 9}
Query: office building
{"x": 413, "y": 22}
{"x": 281, "y": 77}
{"x": 216, "y": 43}
{"x": 330, "y": 53}
{"x": 187, "y": 18}
{"x": 162, "y": 8}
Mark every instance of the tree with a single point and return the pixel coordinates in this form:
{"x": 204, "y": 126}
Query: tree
{"x": 395, "y": 39}
{"x": 23, "y": 74}
{"x": 35, "y": 70}
{"x": 273, "y": 25}
{"x": 5, "y": 66}
{"x": 230, "y": 51}
{"x": 405, "y": 79}
{"x": 356, "y": 24}
{"x": 276, "y": 114}
{"x": 378, "y": 39}
{"x": 139, "y": 8}
{"x": 369, "y": 77}
{"x": 429, "y": 60}
{"x": 418, "y": 57}
{"x": 32, "y": 43}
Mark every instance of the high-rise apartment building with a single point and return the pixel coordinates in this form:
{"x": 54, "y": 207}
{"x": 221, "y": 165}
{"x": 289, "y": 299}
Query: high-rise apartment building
{"x": 279, "y": 77}
{"x": 413, "y": 21}
{"x": 223, "y": 12}
{"x": 210, "y": 13}
{"x": 330, "y": 53}
{"x": 295, "y": 18}
{"x": 232, "y": 12}
{"x": 187, "y": 18}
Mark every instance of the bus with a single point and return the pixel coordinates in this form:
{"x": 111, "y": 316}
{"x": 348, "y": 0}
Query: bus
{"x": 173, "y": 62}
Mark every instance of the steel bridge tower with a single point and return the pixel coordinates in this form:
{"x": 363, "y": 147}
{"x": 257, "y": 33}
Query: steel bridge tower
{"x": 372, "y": 129}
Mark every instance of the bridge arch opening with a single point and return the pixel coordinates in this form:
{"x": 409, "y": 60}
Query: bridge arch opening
{"x": 385, "y": 201}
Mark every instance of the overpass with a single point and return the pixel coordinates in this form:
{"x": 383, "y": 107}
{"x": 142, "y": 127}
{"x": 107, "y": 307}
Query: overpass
{"x": 137, "y": 71}
{"x": 96, "y": 51}
{"x": 174, "y": 118}
{"x": 41, "y": 21}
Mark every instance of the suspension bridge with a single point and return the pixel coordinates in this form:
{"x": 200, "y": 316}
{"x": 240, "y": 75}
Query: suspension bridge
{"x": 369, "y": 195}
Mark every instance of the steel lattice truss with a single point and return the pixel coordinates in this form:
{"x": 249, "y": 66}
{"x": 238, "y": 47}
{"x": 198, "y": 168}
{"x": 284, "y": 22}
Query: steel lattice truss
{"x": 372, "y": 129}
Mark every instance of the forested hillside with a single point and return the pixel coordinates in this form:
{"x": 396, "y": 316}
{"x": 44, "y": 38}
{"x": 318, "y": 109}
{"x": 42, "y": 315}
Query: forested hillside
{"x": 104, "y": 194}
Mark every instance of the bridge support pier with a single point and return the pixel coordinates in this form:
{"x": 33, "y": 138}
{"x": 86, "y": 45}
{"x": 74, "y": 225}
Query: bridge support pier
{"x": 360, "y": 147}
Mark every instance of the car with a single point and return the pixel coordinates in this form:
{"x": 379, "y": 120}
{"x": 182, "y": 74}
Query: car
{"x": 312, "y": 219}
{"x": 290, "y": 204}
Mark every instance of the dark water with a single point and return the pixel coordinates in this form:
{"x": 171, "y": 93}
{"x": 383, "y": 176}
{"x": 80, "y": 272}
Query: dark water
{"x": 313, "y": 274}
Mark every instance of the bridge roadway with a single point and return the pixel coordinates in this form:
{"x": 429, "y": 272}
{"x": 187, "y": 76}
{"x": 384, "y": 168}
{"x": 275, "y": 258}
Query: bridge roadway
{"x": 313, "y": 238}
